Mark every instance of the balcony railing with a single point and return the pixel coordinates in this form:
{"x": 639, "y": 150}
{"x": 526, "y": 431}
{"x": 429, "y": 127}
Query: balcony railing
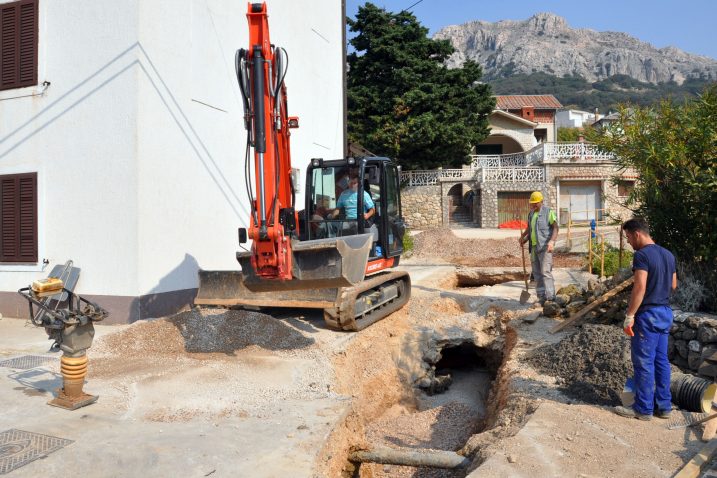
{"x": 497, "y": 160}
{"x": 566, "y": 152}
{"x": 512, "y": 175}
{"x": 514, "y": 167}
{"x": 429, "y": 178}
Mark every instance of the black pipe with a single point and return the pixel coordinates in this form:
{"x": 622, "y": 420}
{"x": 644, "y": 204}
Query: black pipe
{"x": 691, "y": 393}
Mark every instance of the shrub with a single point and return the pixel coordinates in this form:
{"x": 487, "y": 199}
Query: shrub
{"x": 611, "y": 260}
{"x": 696, "y": 288}
{"x": 407, "y": 242}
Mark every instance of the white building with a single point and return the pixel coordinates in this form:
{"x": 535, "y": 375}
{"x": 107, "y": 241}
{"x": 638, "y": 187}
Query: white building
{"x": 575, "y": 118}
{"x": 129, "y": 140}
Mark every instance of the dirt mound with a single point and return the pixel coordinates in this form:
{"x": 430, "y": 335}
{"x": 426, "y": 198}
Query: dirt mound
{"x": 443, "y": 243}
{"x": 592, "y": 365}
{"x": 205, "y": 331}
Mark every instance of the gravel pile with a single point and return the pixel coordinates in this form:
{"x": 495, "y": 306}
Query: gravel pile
{"x": 442, "y": 243}
{"x": 592, "y": 365}
{"x": 205, "y": 331}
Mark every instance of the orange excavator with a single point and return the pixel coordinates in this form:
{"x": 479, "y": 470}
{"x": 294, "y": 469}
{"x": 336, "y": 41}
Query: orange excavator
{"x": 337, "y": 253}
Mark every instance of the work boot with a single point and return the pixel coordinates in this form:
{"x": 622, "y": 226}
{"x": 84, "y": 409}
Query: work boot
{"x": 630, "y": 413}
{"x": 664, "y": 414}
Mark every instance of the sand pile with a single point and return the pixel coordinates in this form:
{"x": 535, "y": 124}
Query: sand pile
{"x": 592, "y": 365}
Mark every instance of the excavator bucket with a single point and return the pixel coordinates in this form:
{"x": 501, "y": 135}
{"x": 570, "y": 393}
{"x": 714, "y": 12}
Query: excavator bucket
{"x": 319, "y": 268}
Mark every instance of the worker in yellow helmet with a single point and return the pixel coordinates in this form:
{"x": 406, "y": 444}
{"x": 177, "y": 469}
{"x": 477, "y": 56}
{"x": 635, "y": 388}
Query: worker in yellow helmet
{"x": 541, "y": 234}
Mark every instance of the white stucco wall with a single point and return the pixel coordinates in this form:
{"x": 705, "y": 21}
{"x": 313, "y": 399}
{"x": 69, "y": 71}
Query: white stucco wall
{"x": 140, "y": 183}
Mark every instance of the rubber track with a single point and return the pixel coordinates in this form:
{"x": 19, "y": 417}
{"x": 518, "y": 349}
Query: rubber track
{"x": 343, "y": 317}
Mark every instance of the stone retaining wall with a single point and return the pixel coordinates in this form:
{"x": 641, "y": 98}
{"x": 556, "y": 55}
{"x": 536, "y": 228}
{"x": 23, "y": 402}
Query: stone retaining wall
{"x": 421, "y": 206}
{"x": 693, "y": 339}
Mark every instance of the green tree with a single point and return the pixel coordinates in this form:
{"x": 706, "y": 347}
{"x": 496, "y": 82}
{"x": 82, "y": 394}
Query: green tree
{"x": 674, "y": 149}
{"x": 403, "y": 102}
{"x": 569, "y": 134}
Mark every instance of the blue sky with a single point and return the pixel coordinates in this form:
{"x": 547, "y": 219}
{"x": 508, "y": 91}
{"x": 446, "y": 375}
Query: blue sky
{"x": 690, "y": 25}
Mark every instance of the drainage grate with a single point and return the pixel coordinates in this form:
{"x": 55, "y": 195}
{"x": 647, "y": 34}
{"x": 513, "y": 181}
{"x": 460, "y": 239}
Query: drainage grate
{"x": 18, "y": 448}
{"x": 26, "y": 362}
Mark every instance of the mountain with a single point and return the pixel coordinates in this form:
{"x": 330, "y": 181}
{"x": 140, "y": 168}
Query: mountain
{"x": 545, "y": 43}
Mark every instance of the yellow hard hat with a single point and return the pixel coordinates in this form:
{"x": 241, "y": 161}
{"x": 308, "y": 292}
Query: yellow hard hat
{"x": 536, "y": 197}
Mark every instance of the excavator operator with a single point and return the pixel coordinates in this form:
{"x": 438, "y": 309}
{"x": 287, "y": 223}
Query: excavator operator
{"x": 349, "y": 202}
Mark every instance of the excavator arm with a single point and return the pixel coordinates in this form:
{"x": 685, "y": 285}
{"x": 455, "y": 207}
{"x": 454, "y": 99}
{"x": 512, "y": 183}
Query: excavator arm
{"x": 261, "y": 71}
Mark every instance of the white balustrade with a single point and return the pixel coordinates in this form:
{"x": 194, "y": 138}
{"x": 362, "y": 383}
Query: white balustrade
{"x": 514, "y": 167}
{"x": 513, "y": 175}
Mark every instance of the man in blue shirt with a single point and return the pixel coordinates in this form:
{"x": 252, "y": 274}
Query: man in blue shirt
{"x": 349, "y": 201}
{"x": 649, "y": 312}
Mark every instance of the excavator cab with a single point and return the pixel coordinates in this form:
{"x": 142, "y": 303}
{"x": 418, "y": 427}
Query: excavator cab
{"x": 338, "y": 189}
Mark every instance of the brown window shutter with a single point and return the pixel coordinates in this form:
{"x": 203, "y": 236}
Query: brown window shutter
{"x": 18, "y": 44}
{"x": 18, "y": 218}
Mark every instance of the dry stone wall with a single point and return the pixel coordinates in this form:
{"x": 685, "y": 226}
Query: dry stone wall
{"x": 693, "y": 339}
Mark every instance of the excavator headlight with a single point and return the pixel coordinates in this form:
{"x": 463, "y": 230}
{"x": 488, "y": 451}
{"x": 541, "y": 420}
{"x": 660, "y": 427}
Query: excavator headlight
{"x": 351, "y": 161}
{"x": 316, "y": 162}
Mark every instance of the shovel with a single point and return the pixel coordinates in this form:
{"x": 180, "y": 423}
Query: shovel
{"x": 524, "y": 295}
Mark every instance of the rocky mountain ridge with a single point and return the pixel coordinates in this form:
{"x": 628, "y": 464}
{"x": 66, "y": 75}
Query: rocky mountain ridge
{"x": 546, "y": 43}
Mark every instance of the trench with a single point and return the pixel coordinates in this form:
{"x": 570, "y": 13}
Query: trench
{"x": 437, "y": 397}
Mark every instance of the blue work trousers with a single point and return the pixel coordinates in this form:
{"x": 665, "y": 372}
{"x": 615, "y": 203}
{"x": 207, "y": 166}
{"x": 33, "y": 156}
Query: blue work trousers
{"x": 649, "y": 359}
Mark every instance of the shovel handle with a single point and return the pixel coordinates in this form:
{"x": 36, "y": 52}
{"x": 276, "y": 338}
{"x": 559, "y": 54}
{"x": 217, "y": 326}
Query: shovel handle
{"x": 525, "y": 270}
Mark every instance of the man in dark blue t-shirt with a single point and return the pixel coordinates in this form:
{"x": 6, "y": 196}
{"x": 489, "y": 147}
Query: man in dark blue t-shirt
{"x": 655, "y": 277}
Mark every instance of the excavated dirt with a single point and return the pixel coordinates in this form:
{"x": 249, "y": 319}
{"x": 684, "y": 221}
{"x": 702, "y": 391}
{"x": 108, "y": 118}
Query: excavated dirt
{"x": 443, "y": 244}
{"x": 592, "y": 365}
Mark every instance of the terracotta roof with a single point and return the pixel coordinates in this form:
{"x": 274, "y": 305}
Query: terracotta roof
{"x": 519, "y": 101}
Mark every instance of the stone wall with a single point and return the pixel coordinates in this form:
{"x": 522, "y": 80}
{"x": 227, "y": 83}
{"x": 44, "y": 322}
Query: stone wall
{"x": 489, "y": 198}
{"x": 428, "y": 206}
{"x": 421, "y": 206}
{"x": 693, "y": 339}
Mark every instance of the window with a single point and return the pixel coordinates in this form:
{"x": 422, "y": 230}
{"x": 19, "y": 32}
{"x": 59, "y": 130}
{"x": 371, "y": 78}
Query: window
{"x": 18, "y": 44}
{"x": 18, "y": 218}
{"x": 624, "y": 188}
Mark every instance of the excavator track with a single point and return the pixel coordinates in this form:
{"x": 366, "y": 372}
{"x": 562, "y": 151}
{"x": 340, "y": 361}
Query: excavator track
{"x": 371, "y": 300}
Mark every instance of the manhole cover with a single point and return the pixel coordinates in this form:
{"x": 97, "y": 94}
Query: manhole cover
{"x": 18, "y": 448}
{"x": 27, "y": 361}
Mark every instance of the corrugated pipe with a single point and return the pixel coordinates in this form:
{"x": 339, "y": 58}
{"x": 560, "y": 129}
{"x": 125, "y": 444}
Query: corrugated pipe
{"x": 692, "y": 393}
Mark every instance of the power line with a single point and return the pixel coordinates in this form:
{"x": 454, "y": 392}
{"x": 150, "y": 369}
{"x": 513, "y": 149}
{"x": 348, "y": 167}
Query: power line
{"x": 409, "y": 8}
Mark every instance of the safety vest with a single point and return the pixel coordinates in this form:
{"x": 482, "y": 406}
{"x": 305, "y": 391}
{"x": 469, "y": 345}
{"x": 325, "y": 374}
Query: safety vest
{"x": 543, "y": 229}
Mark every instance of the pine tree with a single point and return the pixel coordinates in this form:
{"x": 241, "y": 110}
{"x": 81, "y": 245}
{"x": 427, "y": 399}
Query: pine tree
{"x": 404, "y": 102}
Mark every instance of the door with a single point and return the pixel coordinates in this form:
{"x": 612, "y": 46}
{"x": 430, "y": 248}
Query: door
{"x": 584, "y": 201}
{"x": 394, "y": 220}
{"x": 513, "y": 205}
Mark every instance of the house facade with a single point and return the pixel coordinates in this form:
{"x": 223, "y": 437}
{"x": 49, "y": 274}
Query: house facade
{"x": 540, "y": 109}
{"x": 123, "y": 141}
{"x": 575, "y": 118}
